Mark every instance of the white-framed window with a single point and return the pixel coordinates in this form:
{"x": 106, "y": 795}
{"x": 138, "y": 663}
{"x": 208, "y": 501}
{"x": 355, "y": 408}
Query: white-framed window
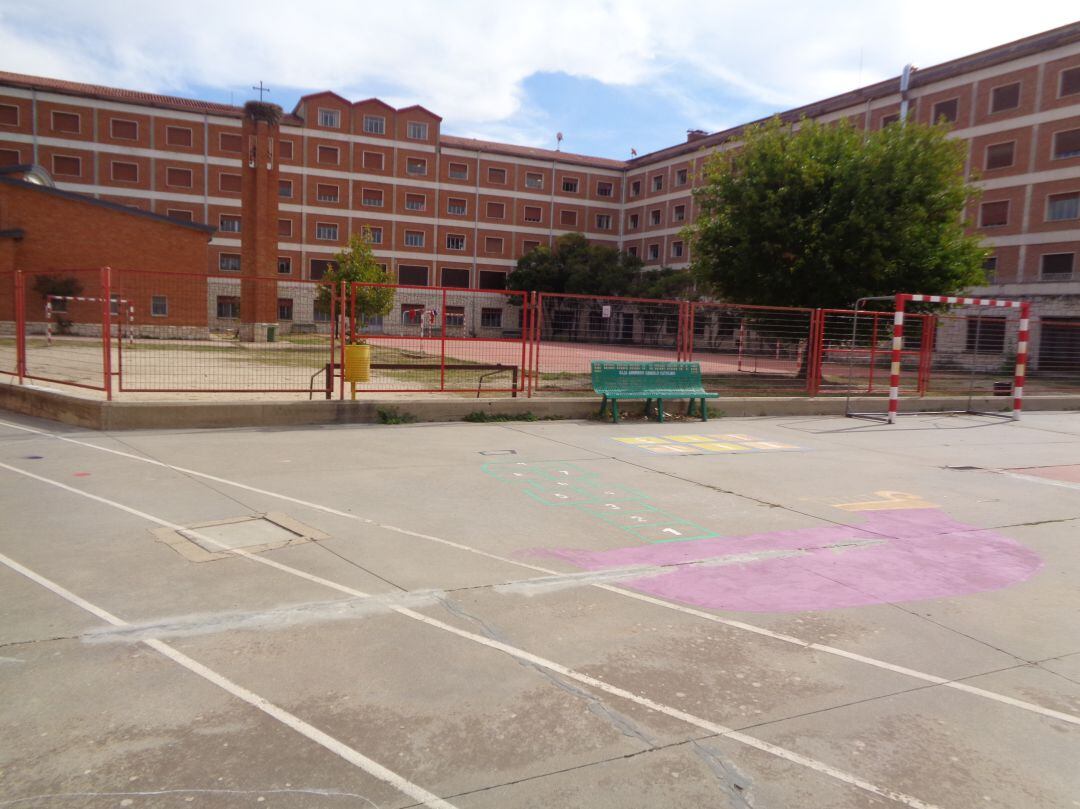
{"x": 632, "y": 251}
{"x": 328, "y": 155}
{"x": 374, "y": 161}
{"x": 285, "y": 149}
{"x": 327, "y": 192}
{"x": 284, "y": 189}
{"x": 455, "y": 241}
{"x": 326, "y": 231}
{"x": 228, "y": 306}
{"x": 570, "y": 185}
{"x": 632, "y": 221}
{"x": 679, "y": 213}
{"x": 376, "y": 234}
{"x": 415, "y": 202}
{"x": 284, "y": 228}
{"x": 635, "y": 188}
{"x": 179, "y": 214}
{"x": 229, "y": 182}
{"x": 676, "y": 249}
{"x": 528, "y": 246}
{"x": 1005, "y": 97}
{"x": 1056, "y": 266}
{"x": 493, "y": 244}
{"x": 605, "y": 189}
{"x": 176, "y": 177}
{"x": 496, "y": 176}
{"x": 374, "y": 125}
{"x": 658, "y": 182}
{"x": 9, "y": 115}
{"x": 1069, "y": 82}
{"x": 994, "y": 214}
{"x": 1067, "y": 144}
{"x": 229, "y": 223}
{"x": 496, "y": 210}
{"x": 284, "y": 308}
{"x": 534, "y": 179}
{"x": 415, "y": 165}
{"x": 372, "y": 197}
{"x": 533, "y": 213}
{"x": 947, "y": 111}
{"x": 654, "y": 252}
{"x": 284, "y": 265}
{"x": 123, "y": 129}
{"x": 458, "y": 171}
{"x": 603, "y": 221}
{"x": 229, "y": 142}
{"x": 414, "y": 238}
{"x": 1000, "y": 155}
{"x": 329, "y": 118}
{"x": 415, "y": 130}
{"x": 1060, "y": 207}
{"x": 654, "y": 217}
{"x": 68, "y": 122}
{"x": 178, "y": 136}
{"x": 681, "y": 177}
{"x": 457, "y": 206}
{"x": 159, "y": 306}
{"x": 456, "y": 277}
{"x": 413, "y": 276}
{"x": 568, "y": 218}
{"x": 229, "y": 262}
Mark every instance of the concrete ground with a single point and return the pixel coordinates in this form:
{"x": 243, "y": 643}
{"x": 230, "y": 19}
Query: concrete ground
{"x": 773, "y": 612}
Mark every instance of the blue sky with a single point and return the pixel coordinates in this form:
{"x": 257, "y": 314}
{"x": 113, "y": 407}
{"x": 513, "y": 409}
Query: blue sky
{"x": 610, "y": 74}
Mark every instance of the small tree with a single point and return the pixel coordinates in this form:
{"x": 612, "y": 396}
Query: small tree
{"x": 357, "y": 264}
{"x": 826, "y": 214}
{"x": 61, "y": 286}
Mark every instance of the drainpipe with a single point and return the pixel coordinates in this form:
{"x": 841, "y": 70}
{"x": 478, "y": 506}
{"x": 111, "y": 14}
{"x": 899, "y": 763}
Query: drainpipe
{"x": 905, "y": 82}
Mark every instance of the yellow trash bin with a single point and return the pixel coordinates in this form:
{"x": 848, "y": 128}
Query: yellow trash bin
{"x": 357, "y": 365}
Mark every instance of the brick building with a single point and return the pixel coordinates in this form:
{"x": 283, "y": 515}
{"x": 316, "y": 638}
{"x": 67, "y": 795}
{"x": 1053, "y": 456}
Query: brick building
{"x": 454, "y": 212}
{"x": 45, "y": 229}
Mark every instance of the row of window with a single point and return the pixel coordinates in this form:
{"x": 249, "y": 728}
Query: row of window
{"x": 407, "y": 274}
{"x": 372, "y": 124}
{"x": 678, "y": 214}
{"x": 1059, "y": 208}
{"x": 1052, "y": 267}
{"x": 1006, "y": 97}
{"x": 682, "y": 177}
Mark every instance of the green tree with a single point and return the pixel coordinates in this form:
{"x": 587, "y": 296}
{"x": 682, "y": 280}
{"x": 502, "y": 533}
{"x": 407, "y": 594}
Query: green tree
{"x": 575, "y": 266}
{"x": 356, "y": 263}
{"x": 826, "y": 214}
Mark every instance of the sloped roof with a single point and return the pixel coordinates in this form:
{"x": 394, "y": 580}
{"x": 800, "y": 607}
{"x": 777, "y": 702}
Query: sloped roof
{"x": 474, "y": 145}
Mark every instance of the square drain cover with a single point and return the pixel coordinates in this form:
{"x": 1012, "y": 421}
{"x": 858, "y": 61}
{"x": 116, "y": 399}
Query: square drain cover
{"x": 206, "y": 542}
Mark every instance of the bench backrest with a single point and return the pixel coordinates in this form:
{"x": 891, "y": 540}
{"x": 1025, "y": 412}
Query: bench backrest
{"x": 645, "y": 376}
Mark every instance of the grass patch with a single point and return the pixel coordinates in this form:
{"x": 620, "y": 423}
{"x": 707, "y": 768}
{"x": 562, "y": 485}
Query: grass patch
{"x": 391, "y": 415}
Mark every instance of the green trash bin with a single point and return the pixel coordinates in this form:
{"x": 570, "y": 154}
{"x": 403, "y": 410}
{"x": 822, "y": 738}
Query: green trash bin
{"x": 271, "y": 333}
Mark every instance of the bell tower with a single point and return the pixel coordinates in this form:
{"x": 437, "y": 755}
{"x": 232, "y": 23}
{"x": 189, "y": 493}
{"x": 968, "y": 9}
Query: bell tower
{"x": 259, "y": 220}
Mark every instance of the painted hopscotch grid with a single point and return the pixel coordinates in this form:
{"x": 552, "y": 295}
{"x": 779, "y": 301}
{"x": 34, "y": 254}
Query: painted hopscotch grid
{"x": 559, "y": 484}
{"x": 706, "y": 444}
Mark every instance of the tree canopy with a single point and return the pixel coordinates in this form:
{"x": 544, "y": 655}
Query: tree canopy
{"x": 356, "y": 263}
{"x": 828, "y": 213}
{"x": 575, "y": 266}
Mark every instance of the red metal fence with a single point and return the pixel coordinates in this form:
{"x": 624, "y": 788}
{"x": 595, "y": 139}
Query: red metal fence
{"x": 189, "y": 333}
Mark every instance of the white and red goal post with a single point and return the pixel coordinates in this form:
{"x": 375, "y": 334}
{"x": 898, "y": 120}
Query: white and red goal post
{"x": 898, "y": 342}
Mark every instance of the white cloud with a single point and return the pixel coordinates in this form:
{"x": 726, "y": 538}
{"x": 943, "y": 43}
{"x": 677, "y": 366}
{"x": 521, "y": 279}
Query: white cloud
{"x": 467, "y": 60}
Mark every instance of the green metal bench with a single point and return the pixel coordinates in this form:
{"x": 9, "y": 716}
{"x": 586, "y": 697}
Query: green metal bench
{"x": 648, "y": 381}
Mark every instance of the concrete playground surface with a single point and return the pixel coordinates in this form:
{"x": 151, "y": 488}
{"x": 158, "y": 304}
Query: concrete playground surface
{"x": 793, "y": 612}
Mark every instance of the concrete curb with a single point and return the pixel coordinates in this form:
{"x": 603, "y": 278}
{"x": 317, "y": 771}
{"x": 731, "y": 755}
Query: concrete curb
{"x": 99, "y": 415}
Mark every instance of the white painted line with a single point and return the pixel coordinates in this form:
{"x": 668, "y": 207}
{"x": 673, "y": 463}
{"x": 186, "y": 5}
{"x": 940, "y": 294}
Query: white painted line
{"x": 292, "y": 721}
{"x": 707, "y": 616}
{"x": 519, "y": 654}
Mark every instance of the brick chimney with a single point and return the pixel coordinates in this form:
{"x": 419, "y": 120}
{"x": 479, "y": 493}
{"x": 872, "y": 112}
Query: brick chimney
{"x": 695, "y": 134}
{"x": 259, "y": 220}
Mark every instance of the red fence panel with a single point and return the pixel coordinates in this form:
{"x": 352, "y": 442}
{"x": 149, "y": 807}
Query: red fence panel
{"x": 436, "y": 339}
{"x": 856, "y": 348}
{"x": 573, "y": 330}
{"x": 753, "y": 349}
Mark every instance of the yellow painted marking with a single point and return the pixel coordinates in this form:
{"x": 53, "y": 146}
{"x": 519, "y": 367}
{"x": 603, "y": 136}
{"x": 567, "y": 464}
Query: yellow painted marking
{"x": 644, "y": 439}
{"x": 715, "y": 446}
{"x": 890, "y": 501}
{"x": 673, "y": 449}
{"x": 689, "y": 439}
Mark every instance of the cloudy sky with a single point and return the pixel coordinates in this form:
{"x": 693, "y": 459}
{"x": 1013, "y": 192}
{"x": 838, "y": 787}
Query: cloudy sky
{"x": 611, "y": 75}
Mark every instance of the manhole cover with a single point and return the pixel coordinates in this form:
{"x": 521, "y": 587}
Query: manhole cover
{"x": 253, "y": 534}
